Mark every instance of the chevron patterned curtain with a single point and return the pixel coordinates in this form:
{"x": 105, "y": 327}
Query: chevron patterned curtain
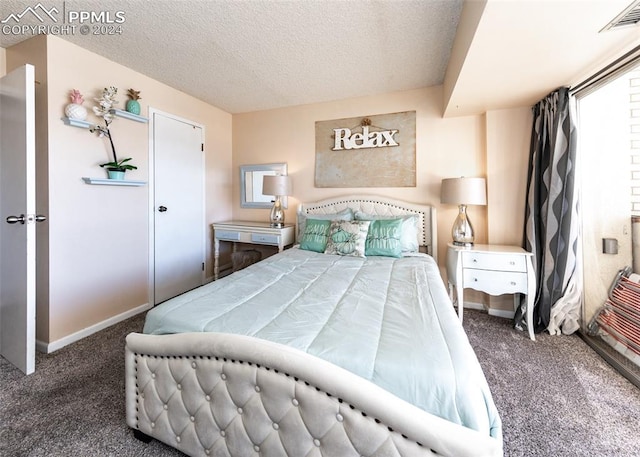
{"x": 551, "y": 219}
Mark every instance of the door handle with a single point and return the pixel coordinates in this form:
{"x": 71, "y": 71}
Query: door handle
{"x": 162, "y": 209}
{"x": 16, "y": 219}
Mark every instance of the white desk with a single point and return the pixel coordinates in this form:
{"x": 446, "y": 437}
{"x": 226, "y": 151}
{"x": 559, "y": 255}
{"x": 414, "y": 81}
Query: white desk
{"x": 251, "y": 233}
{"x": 493, "y": 269}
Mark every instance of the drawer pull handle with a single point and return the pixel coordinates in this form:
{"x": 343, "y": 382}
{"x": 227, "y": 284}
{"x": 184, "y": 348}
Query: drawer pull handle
{"x": 513, "y": 283}
{"x": 512, "y": 263}
{"x": 475, "y": 279}
{"x": 475, "y": 260}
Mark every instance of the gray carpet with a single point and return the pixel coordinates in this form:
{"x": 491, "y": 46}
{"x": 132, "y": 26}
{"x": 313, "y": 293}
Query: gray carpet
{"x": 556, "y": 397}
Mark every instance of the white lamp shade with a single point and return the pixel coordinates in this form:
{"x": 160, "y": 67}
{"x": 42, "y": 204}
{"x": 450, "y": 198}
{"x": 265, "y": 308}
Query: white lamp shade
{"x": 276, "y": 185}
{"x": 464, "y": 191}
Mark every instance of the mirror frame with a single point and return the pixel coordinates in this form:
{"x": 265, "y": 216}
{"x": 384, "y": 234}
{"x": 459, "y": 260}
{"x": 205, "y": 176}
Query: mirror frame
{"x": 267, "y": 168}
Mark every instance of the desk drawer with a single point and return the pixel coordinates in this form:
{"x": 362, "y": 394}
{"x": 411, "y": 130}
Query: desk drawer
{"x": 495, "y": 283}
{"x": 263, "y": 238}
{"x": 499, "y": 262}
{"x": 227, "y": 235}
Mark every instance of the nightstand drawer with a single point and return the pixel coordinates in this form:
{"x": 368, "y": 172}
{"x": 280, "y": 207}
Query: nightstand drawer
{"x": 495, "y": 283}
{"x": 264, "y": 238}
{"x": 227, "y": 235}
{"x": 498, "y": 262}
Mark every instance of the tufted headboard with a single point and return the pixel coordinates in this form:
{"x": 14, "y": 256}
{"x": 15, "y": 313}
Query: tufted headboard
{"x": 382, "y": 206}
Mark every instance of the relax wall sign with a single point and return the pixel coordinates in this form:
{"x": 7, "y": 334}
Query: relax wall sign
{"x": 344, "y": 139}
{"x": 367, "y": 151}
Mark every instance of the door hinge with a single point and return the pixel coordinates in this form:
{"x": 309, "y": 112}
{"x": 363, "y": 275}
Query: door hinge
{"x": 202, "y": 147}
{"x": 202, "y": 266}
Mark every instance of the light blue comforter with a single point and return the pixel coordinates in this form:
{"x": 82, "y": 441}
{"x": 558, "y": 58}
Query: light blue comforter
{"x": 385, "y": 319}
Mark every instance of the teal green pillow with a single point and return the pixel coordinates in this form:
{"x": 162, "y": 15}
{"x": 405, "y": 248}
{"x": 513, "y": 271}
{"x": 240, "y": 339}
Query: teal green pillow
{"x": 383, "y": 238}
{"x": 315, "y": 236}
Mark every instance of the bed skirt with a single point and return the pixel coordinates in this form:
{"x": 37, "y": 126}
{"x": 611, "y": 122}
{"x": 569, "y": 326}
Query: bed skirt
{"x": 233, "y": 395}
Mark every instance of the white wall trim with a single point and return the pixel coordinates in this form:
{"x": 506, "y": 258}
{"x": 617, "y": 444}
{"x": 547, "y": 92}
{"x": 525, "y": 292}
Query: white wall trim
{"x": 48, "y": 348}
{"x": 504, "y": 313}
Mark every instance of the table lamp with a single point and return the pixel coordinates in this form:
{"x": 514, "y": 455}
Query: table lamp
{"x": 278, "y": 186}
{"x": 462, "y": 192}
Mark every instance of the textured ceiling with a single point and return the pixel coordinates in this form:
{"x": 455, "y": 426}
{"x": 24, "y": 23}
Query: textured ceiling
{"x": 249, "y": 55}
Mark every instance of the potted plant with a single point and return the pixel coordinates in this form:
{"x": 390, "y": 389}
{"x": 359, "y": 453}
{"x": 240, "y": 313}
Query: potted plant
{"x": 116, "y": 168}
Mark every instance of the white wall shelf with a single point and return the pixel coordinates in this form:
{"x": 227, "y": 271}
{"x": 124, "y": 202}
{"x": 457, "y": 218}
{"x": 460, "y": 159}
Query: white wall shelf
{"x": 128, "y": 115}
{"x": 113, "y": 182}
{"x": 77, "y": 123}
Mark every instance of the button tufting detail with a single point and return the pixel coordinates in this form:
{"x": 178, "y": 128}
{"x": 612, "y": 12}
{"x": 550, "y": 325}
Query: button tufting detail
{"x": 164, "y": 378}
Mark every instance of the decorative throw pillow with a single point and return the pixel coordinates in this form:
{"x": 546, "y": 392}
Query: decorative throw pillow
{"x": 347, "y": 238}
{"x": 383, "y": 238}
{"x": 344, "y": 215}
{"x": 316, "y": 232}
{"x": 409, "y": 231}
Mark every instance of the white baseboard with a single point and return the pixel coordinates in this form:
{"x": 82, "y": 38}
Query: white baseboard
{"x": 504, "y": 313}
{"x": 48, "y": 348}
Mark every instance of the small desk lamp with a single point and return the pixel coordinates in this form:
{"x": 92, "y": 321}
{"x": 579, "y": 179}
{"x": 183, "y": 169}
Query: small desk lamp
{"x": 463, "y": 192}
{"x": 278, "y": 186}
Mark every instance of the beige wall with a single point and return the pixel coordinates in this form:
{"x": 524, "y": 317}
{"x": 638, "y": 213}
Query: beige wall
{"x": 493, "y": 145}
{"x": 3, "y": 62}
{"x": 98, "y": 235}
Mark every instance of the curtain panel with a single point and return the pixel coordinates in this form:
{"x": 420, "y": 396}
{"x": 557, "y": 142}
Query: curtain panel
{"x": 551, "y": 217}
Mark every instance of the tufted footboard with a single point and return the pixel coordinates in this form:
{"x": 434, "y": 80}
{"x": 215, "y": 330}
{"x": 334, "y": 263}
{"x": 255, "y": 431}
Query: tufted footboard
{"x": 231, "y": 395}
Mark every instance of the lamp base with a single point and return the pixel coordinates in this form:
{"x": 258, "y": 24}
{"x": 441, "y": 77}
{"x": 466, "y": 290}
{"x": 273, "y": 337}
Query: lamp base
{"x": 462, "y": 230}
{"x": 276, "y": 217}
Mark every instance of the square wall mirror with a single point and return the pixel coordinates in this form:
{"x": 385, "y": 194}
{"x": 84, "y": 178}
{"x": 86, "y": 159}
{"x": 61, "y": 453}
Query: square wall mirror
{"x": 251, "y": 184}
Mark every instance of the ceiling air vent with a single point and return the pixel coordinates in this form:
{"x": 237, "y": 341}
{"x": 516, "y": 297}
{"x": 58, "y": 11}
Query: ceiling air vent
{"x": 630, "y": 16}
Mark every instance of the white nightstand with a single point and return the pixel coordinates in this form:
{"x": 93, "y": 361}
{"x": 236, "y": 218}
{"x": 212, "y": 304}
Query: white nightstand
{"x": 492, "y": 269}
{"x": 251, "y": 233}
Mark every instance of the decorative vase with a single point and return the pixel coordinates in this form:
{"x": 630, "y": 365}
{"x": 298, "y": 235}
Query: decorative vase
{"x": 75, "y": 111}
{"x": 115, "y": 174}
{"x": 133, "y": 107}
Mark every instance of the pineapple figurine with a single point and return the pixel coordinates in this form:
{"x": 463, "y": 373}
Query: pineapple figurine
{"x": 133, "y": 106}
{"x": 75, "y": 110}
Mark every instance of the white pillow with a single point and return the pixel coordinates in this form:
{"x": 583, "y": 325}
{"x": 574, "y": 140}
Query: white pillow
{"x": 347, "y": 238}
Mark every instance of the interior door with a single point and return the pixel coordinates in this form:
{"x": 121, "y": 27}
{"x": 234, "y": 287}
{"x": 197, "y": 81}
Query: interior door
{"x": 179, "y": 223}
{"x": 17, "y": 219}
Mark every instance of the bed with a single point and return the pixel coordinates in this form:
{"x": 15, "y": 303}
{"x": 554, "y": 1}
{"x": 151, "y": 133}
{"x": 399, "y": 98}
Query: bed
{"x": 310, "y": 353}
